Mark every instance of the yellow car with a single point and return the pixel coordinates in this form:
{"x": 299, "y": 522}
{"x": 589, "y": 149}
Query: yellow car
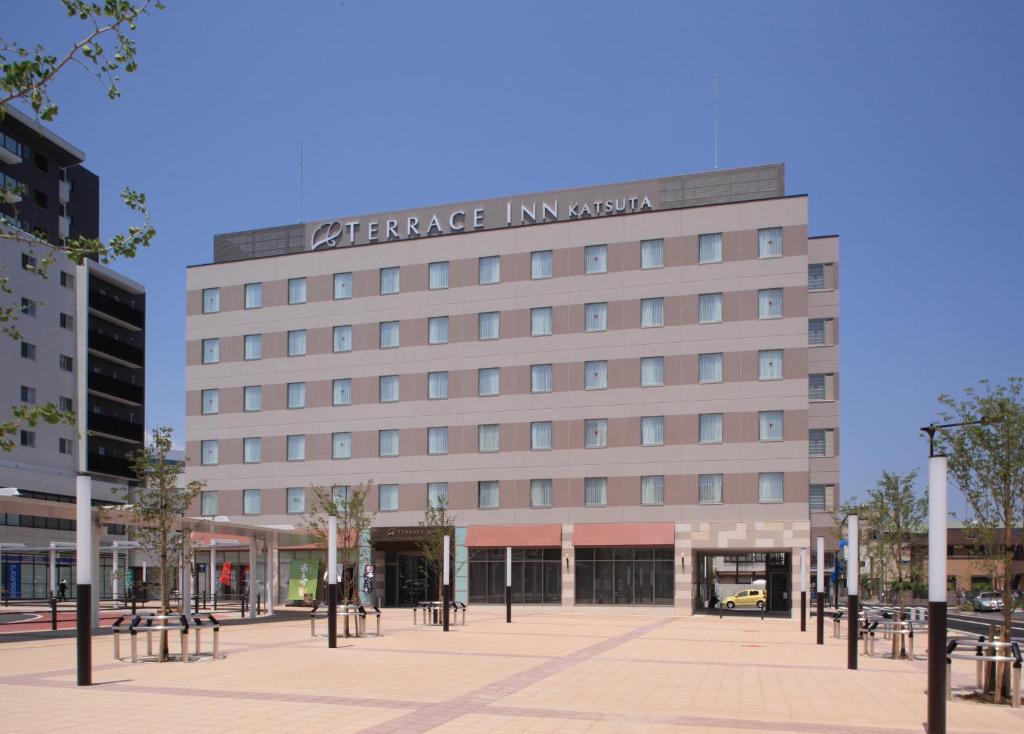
{"x": 746, "y": 598}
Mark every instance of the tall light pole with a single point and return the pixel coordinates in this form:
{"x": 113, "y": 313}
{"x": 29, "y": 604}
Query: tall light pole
{"x": 446, "y": 596}
{"x": 508, "y": 585}
{"x": 83, "y": 563}
{"x": 332, "y": 581}
{"x": 852, "y": 589}
{"x": 820, "y": 589}
{"x": 803, "y": 589}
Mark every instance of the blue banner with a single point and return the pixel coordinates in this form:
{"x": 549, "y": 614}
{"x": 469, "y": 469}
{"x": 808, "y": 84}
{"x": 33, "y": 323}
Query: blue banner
{"x": 13, "y": 581}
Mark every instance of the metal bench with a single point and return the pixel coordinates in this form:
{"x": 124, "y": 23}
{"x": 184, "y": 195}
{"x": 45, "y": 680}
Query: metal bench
{"x": 430, "y": 612}
{"x": 152, "y": 622}
{"x": 986, "y": 651}
{"x": 346, "y": 612}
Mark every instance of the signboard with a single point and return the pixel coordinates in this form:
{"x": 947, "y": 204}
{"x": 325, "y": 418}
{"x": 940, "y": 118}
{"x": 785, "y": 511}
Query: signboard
{"x": 13, "y": 580}
{"x": 303, "y": 579}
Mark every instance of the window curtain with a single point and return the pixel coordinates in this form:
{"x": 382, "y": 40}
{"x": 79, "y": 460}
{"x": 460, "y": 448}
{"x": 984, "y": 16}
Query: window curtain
{"x": 710, "y": 368}
{"x": 595, "y": 491}
{"x": 769, "y": 364}
{"x": 296, "y": 500}
{"x": 211, "y": 452}
{"x": 769, "y": 242}
{"x": 254, "y": 295}
{"x": 438, "y": 276}
{"x": 540, "y": 378}
{"x": 253, "y": 398}
{"x": 652, "y": 371}
{"x": 211, "y": 300}
{"x": 652, "y": 253}
{"x": 487, "y": 436}
{"x": 342, "y": 391}
{"x": 297, "y": 343}
{"x": 540, "y": 493}
{"x": 489, "y": 325}
{"x": 596, "y": 375}
{"x": 652, "y": 490}
{"x": 209, "y": 504}
{"x": 596, "y": 259}
{"x": 296, "y": 395}
{"x": 710, "y": 248}
{"x": 488, "y": 378}
{"x": 342, "y": 286}
{"x": 488, "y": 495}
{"x": 437, "y": 440}
{"x": 652, "y": 430}
{"x": 541, "y": 264}
{"x": 251, "y": 502}
{"x": 253, "y": 346}
{"x": 437, "y": 494}
{"x": 388, "y": 388}
{"x": 769, "y": 303}
{"x": 438, "y": 330}
{"x": 710, "y": 489}
{"x": 388, "y": 497}
{"x": 710, "y": 308}
{"x": 771, "y": 425}
{"x": 490, "y": 270}
{"x": 341, "y": 445}
{"x": 388, "y": 442}
{"x": 597, "y": 433}
{"x": 296, "y": 290}
{"x": 252, "y": 450}
{"x": 540, "y": 321}
{"x": 540, "y": 435}
{"x": 769, "y": 487}
{"x": 437, "y": 385}
{"x": 211, "y": 401}
{"x": 389, "y": 281}
{"x": 596, "y": 315}
{"x": 211, "y": 351}
{"x": 711, "y": 428}
{"x": 341, "y": 494}
{"x": 296, "y": 448}
{"x": 389, "y": 334}
{"x": 652, "y": 312}
{"x": 342, "y": 338}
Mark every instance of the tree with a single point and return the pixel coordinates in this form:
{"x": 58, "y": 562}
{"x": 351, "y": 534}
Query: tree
{"x": 157, "y": 503}
{"x": 437, "y": 522}
{"x": 27, "y": 74}
{"x": 349, "y": 506}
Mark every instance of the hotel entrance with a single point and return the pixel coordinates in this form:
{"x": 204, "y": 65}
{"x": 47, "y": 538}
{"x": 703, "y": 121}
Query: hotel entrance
{"x": 407, "y": 580}
{"x": 741, "y": 580}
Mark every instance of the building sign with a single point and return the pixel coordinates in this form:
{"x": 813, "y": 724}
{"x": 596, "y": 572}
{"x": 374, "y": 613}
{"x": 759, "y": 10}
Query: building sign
{"x": 13, "y": 580}
{"x": 378, "y": 535}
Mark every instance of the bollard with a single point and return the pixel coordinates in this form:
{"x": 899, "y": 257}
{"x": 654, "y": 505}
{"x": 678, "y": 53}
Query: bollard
{"x": 216, "y": 640}
{"x": 949, "y": 679}
{"x": 53, "y": 613}
{"x": 135, "y": 643}
{"x": 198, "y": 630}
{"x": 258, "y": 599}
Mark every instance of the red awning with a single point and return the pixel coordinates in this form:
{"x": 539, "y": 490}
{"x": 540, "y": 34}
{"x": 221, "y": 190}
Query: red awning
{"x": 624, "y": 534}
{"x": 517, "y": 536}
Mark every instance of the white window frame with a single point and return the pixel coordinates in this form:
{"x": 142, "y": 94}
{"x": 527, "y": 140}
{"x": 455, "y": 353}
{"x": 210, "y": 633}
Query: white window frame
{"x": 342, "y": 289}
{"x": 595, "y": 259}
{"x": 298, "y": 292}
{"x": 253, "y": 296}
{"x": 652, "y": 254}
{"x": 390, "y": 281}
{"x": 542, "y": 264}
{"x": 441, "y": 282}
{"x": 211, "y": 300}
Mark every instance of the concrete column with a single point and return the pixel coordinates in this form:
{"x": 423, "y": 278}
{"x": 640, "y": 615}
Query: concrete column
{"x": 567, "y": 564}
{"x": 53, "y": 570}
{"x": 270, "y": 573}
{"x": 253, "y": 586}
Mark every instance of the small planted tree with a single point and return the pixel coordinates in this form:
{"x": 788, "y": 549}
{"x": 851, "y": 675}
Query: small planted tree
{"x": 157, "y": 503}
{"x": 351, "y": 507}
{"x": 437, "y": 522}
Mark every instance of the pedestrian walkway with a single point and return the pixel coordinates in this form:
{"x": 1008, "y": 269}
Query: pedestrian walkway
{"x": 548, "y": 671}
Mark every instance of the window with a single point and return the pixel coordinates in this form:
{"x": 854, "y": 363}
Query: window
{"x": 211, "y": 300}
{"x": 652, "y": 254}
{"x": 296, "y": 395}
{"x": 28, "y": 439}
{"x": 595, "y": 259}
{"x": 253, "y": 346}
{"x": 711, "y": 428}
{"x": 252, "y": 450}
{"x": 487, "y": 495}
{"x": 211, "y": 402}
{"x": 389, "y": 334}
{"x": 64, "y": 445}
{"x": 652, "y": 490}
{"x": 296, "y": 290}
{"x": 437, "y": 385}
{"x": 769, "y": 303}
{"x": 252, "y": 398}
{"x": 652, "y": 430}
{"x": 709, "y": 368}
{"x": 770, "y": 425}
{"x": 297, "y": 448}
{"x": 66, "y": 404}
{"x": 822, "y": 497}
{"x": 389, "y": 281}
{"x": 208, "y": 504}
{"x": 342, "y": 286}
{"x": 28, "y": 307}
{"x": 818, "y": 332}
{"x": 489, "y": 325}
{"x": 437, "y": 495}
{"x": 341, "y": 495}
{"x": 28, "y": 395}
{"x": 709, "y": 308}
{"x": 540, "y": 493}
{"x": 821, "y": 442}
{"x": 652, "y": 371}
{"x": 769, "y": 364}
{"x": 596, "y": 433}
{"x": 540, "y": 436}
{"x": 296, "y": 500}
{"x": 595, "y": 375}
{"x": 488, "y": 438}
{"x": 28, "y": 351}
{"x": 388, "y": 442}
{"x": 387, "y": 389}
{"x": 388, "y": 494}
{"x": 540, "y": 321}
{"x": 341, "y": 391}
{"x": 541, "y": 264}
{"x": 709, "y": 248}
{"x": 210, "y": 452}
{"x": 821, "y": 386}
{"x": 652, "y": 312}
{"x": 488, "y": 379}
{"x": 67, "y": 321}
{"x": 67, "y": 363}
{"x": 438, "y": 276}
{"x": 211, "y": 351}
{"x": 769, "y": 242}
{"x": 437, "y": 440}
{"x": 710, "y": 489}
{"x": 816, "y": 277}
{"x": 595, "y": 491}
{"x": 595, "y": 317}
{"x": 253, "y": 295}
{"x": 251, "y": 504}
{"x": 490, "y": 270}
{"x": 342, "y": 337}
{"x": 28, "y": 262}
{"x": 341, "y": 445}
{"x": 437, "y": 330}
{"x": 769, "y": 487}
{"x": 67, "y": 280}
{"x": 297, "y": 343}
{"x": 540, "y": 378}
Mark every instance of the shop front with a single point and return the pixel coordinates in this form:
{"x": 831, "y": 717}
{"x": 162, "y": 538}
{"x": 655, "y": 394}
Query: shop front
{"x": 536, "y": 570}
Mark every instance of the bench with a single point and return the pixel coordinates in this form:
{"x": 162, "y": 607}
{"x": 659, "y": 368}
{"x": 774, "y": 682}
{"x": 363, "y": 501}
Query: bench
{"x": 152, "y": 622}
{"x": 986, "y": 651}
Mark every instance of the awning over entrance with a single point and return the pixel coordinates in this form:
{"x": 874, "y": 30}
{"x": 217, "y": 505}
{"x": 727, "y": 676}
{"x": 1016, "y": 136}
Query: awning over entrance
{"x": 517, "y": 536}
{"x": 624, "y": 534}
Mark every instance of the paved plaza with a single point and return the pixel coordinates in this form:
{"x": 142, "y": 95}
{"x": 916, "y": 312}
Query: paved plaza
{"x": 548, "y": 671}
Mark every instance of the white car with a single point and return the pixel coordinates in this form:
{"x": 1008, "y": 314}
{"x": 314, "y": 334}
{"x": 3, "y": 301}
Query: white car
{"x": 988, "y": 601}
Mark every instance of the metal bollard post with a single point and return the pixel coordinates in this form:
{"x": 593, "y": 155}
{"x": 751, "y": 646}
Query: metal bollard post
{"x": 198, "y": 630}
{"x": 117, "y": 644}
{"x": 216, "y": 642}
{"x": 1015, "y": 676}
{"x": 258, "y": 599}
{"x": 53, "y": 613}
{"x": 184, "y": 645}
{"x": 949, "y": 679}
{"x": 135, "y": 645}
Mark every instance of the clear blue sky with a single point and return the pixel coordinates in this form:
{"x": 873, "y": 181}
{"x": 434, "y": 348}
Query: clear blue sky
{"x": 901, "y": 120}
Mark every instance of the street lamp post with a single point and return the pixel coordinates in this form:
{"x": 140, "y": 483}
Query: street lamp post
{"x": 803, "y": 589}
{"x": 508, "y": 585}
{"x": 446, "y": 595}
{"x": 332, "y": 581}
{"x": 83, "y": 561}
{"x": 820, "y": 589}
{"x": 852, "y": 589}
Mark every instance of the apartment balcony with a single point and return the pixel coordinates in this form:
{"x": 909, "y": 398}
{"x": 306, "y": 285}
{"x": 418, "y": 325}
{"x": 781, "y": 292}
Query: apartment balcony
{"x": 129, "y": 316}
{"x": 115, "y": 428}
{"x": 111, "y": 465}
{"x": 115, "y": 389}
{"x": 115, "y": 350}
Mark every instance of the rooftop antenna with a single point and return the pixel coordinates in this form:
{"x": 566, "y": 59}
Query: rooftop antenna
{"x": 300, "y": 182}
{"x": 716, "y": 122}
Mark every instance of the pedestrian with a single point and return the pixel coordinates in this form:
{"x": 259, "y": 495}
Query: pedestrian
{"x": 63, "y": 593}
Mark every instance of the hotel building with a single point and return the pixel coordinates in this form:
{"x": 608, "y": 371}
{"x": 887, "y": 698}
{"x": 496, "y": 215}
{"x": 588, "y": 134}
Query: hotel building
{"x": 633, "y": 385}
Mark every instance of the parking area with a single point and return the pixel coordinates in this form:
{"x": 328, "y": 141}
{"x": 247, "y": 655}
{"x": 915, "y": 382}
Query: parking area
{"x": 548, "y": 671}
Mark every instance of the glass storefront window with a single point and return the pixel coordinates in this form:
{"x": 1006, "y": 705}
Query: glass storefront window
{"x": 536, "y": 577}
{"x": 633, "y": 576}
